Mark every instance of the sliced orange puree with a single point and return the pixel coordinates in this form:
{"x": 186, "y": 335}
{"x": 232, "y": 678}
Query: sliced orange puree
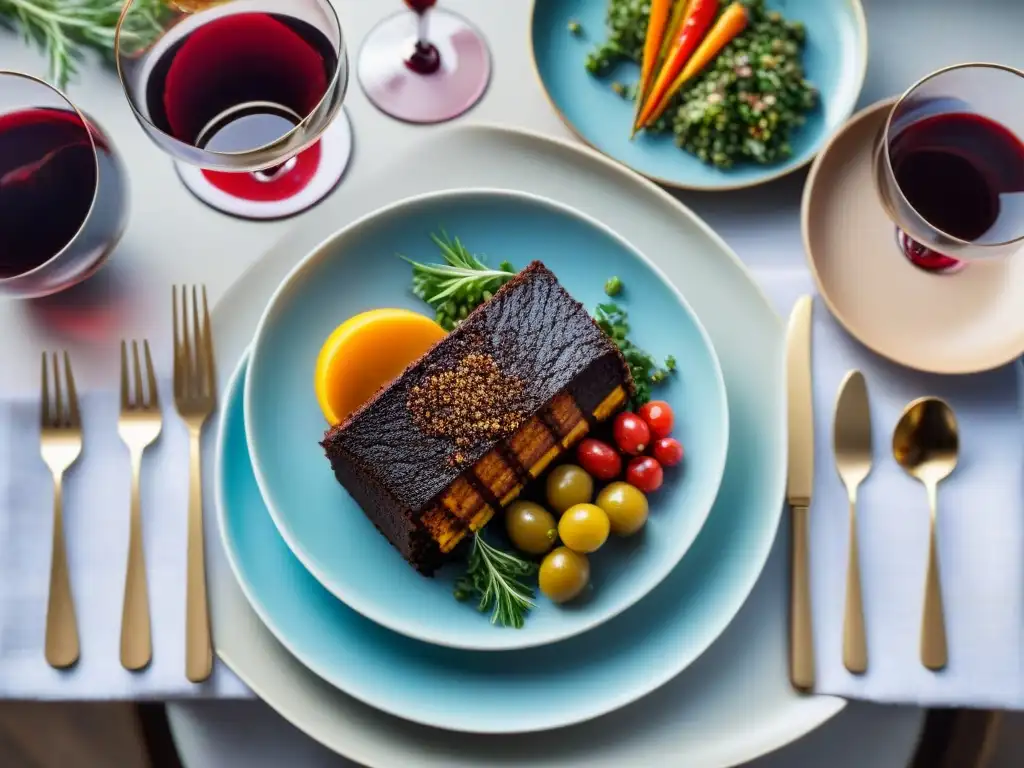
{"x": 366, "y": 352}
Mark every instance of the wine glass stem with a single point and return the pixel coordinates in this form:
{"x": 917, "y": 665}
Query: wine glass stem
{"x": 423, "y": 29}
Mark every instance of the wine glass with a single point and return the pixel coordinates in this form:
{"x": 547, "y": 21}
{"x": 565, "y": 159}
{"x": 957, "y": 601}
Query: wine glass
{"x": 63, "y": 190}
{"x": 424, "y": 64}
{"x": 243, "y": 95}
{"x": 949, "y": 166}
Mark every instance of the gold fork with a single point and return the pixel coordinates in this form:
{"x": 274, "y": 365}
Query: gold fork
{"x": 139, "y": 426}
{"x": 60, "y": 444}
{"x": 195, "y": 394}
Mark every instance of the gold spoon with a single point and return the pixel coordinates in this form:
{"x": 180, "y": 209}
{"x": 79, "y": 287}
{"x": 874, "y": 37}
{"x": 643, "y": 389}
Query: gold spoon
{"x": 925, "y": 443}
{"x": 851, "y": 435}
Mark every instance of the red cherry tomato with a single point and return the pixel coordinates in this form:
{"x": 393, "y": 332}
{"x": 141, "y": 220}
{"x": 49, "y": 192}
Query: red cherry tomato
{"x": 645, "y": 473}
{"x": 659, "y": 417}
{"x": 632, "y": 434}
{"x": 599, "y": 459}
{"x": 668, "y": 451}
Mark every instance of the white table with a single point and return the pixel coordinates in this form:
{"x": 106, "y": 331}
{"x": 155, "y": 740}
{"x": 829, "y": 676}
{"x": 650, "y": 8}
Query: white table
{"x": 173, "y": 238}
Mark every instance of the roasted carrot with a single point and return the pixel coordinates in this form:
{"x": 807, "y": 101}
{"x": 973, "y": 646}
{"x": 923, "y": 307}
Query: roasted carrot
{"x": 732, "y": 21}
{"x": 699, "y": 16}
{"x": 679, "y": 11}
{"x": 656, "y": 27}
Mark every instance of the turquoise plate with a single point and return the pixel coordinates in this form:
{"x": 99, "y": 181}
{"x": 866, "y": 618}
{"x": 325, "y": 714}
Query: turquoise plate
{"x": 835, "y": 60}
{"x": 358, "y": 270}
{"x": 517, "y": 691}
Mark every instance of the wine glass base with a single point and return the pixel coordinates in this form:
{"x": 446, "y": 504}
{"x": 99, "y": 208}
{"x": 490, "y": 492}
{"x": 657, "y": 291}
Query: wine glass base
{"x": 289, "y": 189}
{"x": 397, "y": 90}
{"x": 925, "y": 258}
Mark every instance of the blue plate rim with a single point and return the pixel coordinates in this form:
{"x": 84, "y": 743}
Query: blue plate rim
{"x": 862, "y": 35}
{"x": 367, "y": 610}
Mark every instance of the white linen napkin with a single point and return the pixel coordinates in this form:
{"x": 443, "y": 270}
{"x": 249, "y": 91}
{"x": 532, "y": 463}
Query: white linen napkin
{"x": 980, "y": 530}
{"x": 96, "y": 513}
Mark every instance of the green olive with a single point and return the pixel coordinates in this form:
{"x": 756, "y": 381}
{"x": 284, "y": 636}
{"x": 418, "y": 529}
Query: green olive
{"x": 626, "y": 507}
{"x": 584, "y": 528}
{"x": 563, "y": 575}
{"x": 568, "y": 485}
{"x": 531, "y": 528}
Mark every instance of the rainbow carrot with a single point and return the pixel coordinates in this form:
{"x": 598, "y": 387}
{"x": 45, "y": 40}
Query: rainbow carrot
{"x": 732, "y": 21}
{"x": 652, "y": 46}
{"x": 679, "y": 14}
{"x": 699, "y": 16}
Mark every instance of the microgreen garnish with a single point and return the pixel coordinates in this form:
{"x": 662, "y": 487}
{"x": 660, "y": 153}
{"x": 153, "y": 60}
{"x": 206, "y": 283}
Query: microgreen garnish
{"x": 497, "y": 579}
{"x": 614, "y": 321}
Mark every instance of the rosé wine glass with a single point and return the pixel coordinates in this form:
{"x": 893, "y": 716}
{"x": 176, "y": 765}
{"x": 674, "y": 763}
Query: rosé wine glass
{"x": 424, "y": 64}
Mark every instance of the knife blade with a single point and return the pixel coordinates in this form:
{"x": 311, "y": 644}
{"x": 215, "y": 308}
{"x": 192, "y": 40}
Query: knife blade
{"x": 799, "y": 485}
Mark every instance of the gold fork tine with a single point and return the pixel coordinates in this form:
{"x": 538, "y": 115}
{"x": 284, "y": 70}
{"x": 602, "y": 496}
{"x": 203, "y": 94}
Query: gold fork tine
{"x": 178, "y": 377}
{"x": 125, "y": 401}
{"x": 59, "y": 416}
{"x": 46, "y": 394}
{"x": 139, "y": 398}
{"x": 186, "y": 347}
{"x": 75, "y": 416}
{"x": 154, "y": 393}
{"x": 211, "y": 372}
{"x": 198, "y": 372}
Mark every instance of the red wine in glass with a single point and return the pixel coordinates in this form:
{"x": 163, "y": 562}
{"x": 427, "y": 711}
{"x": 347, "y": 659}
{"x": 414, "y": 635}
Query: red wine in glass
{"x": 63, "y": 200}
{"x": 964, "y": 174}
{"x": 424, "y": 64}
{"x": 244, "y": 99}
{"x": 425, "y": 59}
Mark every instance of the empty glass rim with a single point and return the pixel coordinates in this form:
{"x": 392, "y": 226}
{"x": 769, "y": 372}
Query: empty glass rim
{"x": 888, "y": 159}
{"x": 284, "y": 138}
{"x": 89, "y": 127}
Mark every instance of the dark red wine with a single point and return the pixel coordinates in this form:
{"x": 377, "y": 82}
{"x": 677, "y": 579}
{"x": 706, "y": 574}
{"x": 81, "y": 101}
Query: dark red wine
{"x": 956, "y": 171}
{"x": 421, "y": 6}
{"x": 240, "y": 82}
{"x": 48, "y": 181}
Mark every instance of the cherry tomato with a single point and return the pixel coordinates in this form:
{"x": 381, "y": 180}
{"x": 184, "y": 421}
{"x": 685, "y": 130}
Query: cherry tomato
{"x": 659, "y": 417}
{"x": 668, "y": 451}
{"x": 631, "y": 433}
{"x": 645, "y": 473}
{"x": 599, "y": 459}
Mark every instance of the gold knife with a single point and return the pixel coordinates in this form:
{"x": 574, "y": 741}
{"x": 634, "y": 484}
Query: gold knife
{"x": 799, "y": 483}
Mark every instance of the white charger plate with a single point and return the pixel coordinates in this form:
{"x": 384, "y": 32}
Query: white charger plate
{"x": 733, "y": 705}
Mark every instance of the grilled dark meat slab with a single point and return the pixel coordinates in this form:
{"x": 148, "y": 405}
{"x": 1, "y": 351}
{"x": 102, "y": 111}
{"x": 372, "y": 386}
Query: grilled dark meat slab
{"x": 459, "y": 434}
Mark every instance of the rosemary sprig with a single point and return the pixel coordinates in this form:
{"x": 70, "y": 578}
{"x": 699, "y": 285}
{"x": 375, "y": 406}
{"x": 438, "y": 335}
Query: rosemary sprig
{"x": 497, "y": 579}
{"x": 64, "y": 28}
{"x": 459, "y": 285}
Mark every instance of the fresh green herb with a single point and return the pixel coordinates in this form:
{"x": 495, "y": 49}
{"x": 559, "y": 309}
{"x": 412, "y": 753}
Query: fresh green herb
{"x": 497, "y": 579}
{"x": 614, "y": 321}
{"x": 64, "y": 28}
{"x": 574, "y": 27}
{"x": 745, "y": 105}
{"x": 460, "y": 285}
{"x": 613, "y": 286}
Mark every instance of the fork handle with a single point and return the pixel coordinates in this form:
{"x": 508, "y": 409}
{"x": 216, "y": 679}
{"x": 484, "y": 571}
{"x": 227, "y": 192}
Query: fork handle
{"x": 62, "y": 647}
{"x": 136, "y": 641}
{"x": 198, "y": 646}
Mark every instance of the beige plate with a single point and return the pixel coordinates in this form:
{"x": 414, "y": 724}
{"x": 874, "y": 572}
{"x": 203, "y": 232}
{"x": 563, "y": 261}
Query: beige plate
{"x": 961, "y": 323}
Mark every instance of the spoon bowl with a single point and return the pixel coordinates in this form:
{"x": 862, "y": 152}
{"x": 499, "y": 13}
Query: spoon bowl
{"x": 926, "y": 443}
{"x": 926, "y": 440}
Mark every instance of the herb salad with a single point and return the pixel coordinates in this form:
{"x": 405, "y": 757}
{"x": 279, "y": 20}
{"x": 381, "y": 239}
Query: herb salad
{"x": 744, "y": 105}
